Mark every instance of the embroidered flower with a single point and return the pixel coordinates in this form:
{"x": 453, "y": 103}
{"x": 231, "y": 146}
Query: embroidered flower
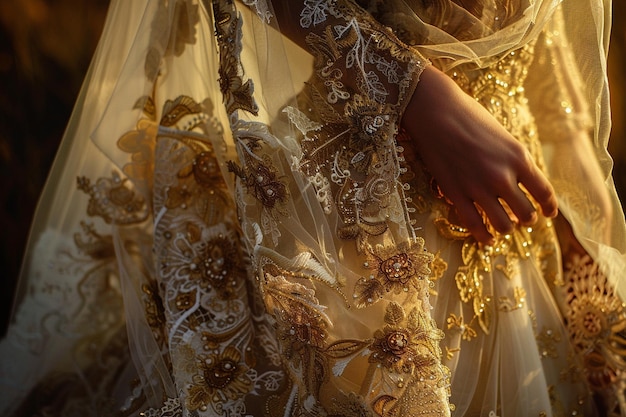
{"x": 596, "y": 321}
{"x": 596, "y": 314}
{"x": 262, "y": 182}
{"x": 114, "y": 200}
{"x": 438, "y": 267}
{"x": 395, "y": 269}
{"x": 392, "y": 345}
{"x": 185, "y": 300}
{"x": 210, "y": 257}
{"x": 217, "y": 264}
{"x": 222, "y": 377}
{"x": 206, "y": 170}
{"x": 369, "y": 124}
{"x": 405, "y": 345}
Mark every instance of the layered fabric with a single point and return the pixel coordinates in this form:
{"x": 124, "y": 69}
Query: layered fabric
{"x": 236, "y": 224}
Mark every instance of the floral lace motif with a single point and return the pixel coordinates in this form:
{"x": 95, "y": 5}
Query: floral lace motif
{"x": 349, "y": 155}
{"x": 240, "y": 330}
{"x": 596, "y": 321}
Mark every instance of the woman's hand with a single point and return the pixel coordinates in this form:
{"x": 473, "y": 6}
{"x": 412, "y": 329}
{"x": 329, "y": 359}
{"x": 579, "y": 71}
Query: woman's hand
{"x": 477, "y": 164}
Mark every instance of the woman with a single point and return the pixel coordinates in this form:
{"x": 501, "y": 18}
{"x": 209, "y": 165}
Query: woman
{"x": 330, "y": 208}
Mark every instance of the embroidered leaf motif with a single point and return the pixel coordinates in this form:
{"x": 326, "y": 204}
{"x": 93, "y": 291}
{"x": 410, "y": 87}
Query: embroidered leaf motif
{"x": 367, "y": 291}
{"x": 304, "y": 266}
{"x": 175, "y": 110}
{"x": 325, "y": 110}
{"x": 237, "y": 94}
{"x": 344, "y": 348}
{"x": 297, "y": 310}
{"x": 373, "y": 229}
{"x": 449, "y": 230}
{"x": 300, "y": 120}
{"x": 394, "y": 315}
{"x": 380, "y": 406}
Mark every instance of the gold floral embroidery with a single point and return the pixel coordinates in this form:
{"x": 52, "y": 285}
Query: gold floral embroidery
{"x": 596, "y": 321}
{"x": 479, "y": 260}
{"x": 407, "y": 345}
{"x": 352, "y": 155}
{"x": 500, "y": 89}
{"x": 398, "y": 268}
{"x": 348, "y": 148}
{"x": 547, "y": 341}
{"x": 438, "y": 267}
{"x": 113, "y": 200}
{"x": 204, "y": 281}
{"x": 222, "y": 376}
{"x": 457, "y": 322}
{"x": 507, "y": 304}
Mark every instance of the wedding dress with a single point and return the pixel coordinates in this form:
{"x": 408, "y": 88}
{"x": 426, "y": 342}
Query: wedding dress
{"x": 235, "y": 225}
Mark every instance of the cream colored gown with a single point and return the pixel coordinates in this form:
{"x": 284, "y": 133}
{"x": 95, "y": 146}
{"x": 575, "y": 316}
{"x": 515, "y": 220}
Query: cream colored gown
{"x": 236, "y": 226}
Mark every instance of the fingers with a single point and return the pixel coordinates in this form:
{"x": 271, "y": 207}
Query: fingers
{"x": 537, "y": 186}
{"x": 471, "y": 219}
{"x": 516, "y": 205}
{"x": 520, "y": 208}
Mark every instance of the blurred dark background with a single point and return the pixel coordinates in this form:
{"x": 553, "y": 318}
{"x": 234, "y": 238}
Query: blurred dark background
{"x": 45, "y": 49}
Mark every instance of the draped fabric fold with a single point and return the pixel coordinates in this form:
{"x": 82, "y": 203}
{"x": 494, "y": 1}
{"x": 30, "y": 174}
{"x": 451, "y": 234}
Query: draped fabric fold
{"x": 236, "y": 225}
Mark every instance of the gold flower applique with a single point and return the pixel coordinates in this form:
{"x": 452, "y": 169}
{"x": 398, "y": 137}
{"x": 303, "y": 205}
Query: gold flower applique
{"x": 596, "y": 320}
{"x": 396, "y": 269}
{"x": 221, "y": 377}
{"x": 457, "y": 322}
{"x": 407, "y": 344}
{"x": 208, "y": 257}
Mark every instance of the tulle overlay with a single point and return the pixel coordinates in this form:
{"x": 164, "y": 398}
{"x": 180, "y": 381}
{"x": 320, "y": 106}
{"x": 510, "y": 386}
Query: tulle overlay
{"x": 235, "y": 224}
